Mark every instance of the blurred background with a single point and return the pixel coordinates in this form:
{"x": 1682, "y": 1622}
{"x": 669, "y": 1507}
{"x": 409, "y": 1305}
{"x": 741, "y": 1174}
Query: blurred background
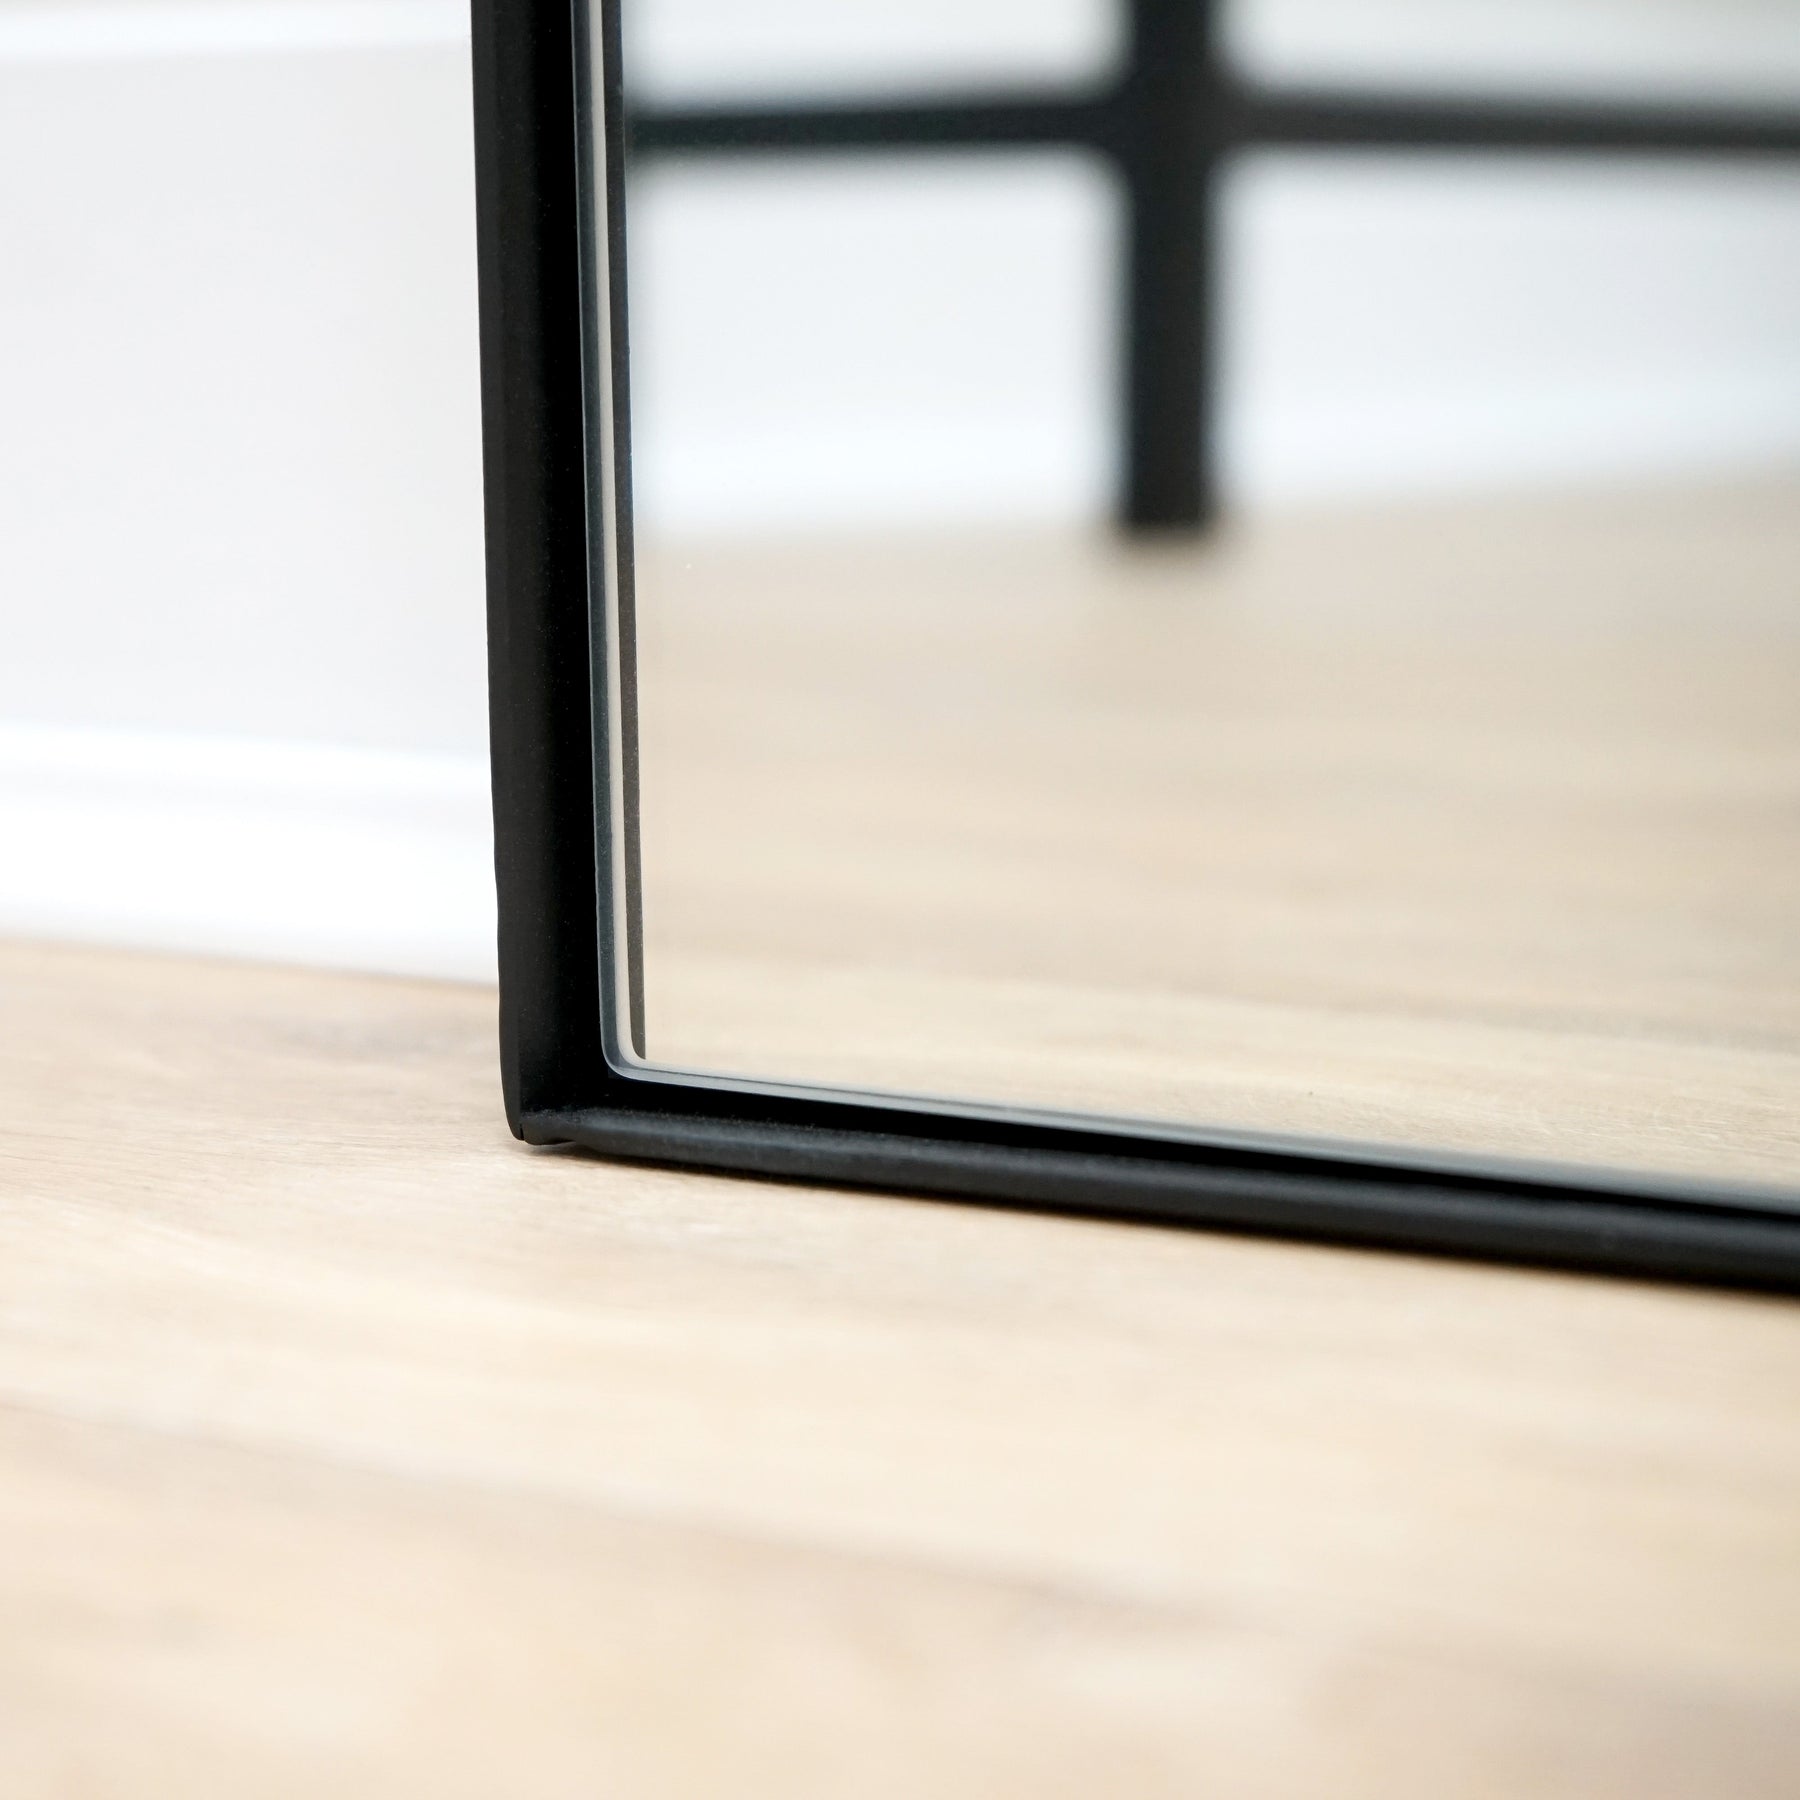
{"x": 241, "y": 700}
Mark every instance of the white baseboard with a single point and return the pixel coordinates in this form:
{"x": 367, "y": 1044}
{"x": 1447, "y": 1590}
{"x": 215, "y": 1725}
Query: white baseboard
{"x": 347, "y": 858}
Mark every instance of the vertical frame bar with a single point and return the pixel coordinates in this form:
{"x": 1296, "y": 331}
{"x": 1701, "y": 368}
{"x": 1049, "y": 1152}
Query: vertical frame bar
{"x": 1169, "y": 141}
{"x": 534, "y": 471}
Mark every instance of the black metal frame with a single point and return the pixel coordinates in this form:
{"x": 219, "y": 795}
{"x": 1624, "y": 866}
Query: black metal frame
{"x": 550, "y": 707}
{"x": 1174, "y": 111}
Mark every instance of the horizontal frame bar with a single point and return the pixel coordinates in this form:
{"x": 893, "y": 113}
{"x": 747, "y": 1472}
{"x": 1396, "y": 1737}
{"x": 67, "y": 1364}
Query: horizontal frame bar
{"x": 1265, "y": 1193}
{"x": 1244, "y": 115}
{"x": 960, "y": 122}
{"x": 1303, "y": 118}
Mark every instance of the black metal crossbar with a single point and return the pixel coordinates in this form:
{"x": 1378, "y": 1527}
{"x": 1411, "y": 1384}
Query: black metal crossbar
{"x": 1165, "y": 124}
{"x": 1292, "y": 117}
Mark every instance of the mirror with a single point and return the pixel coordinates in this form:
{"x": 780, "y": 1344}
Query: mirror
{"x": 1164, "y": 588}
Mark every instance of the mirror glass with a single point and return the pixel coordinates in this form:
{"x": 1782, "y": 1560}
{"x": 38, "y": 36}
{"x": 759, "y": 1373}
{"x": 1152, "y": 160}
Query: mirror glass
{"x": 1743, "y": 50}
{"x": 1245, "y": 634}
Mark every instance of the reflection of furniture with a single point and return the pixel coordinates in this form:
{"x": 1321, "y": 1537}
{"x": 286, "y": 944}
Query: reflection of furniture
{"x": 1166, "y": 121}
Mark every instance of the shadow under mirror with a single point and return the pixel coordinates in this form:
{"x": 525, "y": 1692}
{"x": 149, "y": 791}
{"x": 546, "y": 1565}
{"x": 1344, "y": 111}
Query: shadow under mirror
{"x": 1426, "y": 774}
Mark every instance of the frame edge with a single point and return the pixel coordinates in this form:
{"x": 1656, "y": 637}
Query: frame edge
{"x": 535, "y": 496}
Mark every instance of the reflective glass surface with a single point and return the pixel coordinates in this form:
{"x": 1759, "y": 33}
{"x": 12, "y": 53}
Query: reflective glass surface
{"x": 1437, "y": 787}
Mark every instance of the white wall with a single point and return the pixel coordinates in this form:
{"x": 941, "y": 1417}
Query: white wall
{"x": 241, "y": 696}
{"x": 1742, "y": 49}
{"x": 910, "y": 341}
{"x": 687, "y": 48}
{"x": 683, "y": 49}
{"x": 239, "y": 427}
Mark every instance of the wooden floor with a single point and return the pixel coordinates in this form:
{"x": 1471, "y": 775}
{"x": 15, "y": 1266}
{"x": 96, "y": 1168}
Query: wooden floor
{"x": 348, "y": 1448}
{"x": 1471, "y": 824}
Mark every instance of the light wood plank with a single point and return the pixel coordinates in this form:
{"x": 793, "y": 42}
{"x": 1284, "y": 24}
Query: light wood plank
{"x": 344, "y": 1443}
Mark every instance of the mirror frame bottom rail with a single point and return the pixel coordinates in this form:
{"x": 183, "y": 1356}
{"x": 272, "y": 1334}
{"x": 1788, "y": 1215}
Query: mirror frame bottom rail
{"x": 1054, "y": 1168}
{"x": 559, "y": 1087}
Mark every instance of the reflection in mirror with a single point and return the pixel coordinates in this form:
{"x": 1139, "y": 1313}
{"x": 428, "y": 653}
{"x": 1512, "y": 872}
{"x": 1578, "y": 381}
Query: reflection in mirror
{"x": 1430, "y": 777}
{"x": 1743, "y": 50}
{"x": 723, "y": 50}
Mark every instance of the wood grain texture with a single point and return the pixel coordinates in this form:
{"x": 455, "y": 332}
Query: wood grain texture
{"x": 1471, "y": 825}
{"x": 348, "y": 1447}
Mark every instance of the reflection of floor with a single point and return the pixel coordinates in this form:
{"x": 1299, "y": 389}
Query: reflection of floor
{"x": 1477, "y": 826}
